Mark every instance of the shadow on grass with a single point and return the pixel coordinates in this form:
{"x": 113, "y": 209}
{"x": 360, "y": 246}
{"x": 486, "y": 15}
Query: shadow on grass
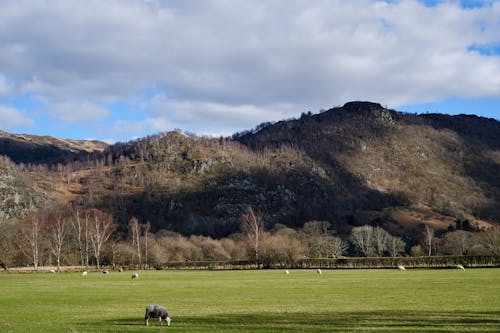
{"x": 378, "y": 321}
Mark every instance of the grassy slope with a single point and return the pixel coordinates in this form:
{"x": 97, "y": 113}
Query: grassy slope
{"x": 255, "y": 301}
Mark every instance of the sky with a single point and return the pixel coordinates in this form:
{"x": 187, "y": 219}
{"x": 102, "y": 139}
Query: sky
{"x": 115, "y": 70}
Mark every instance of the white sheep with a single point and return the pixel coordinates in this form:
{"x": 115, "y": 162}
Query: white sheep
{"x": 460, "y": 267}
{"x": 287, "y": 272}
{"x": 52, "y": 271}
{"x": 401, "y": 268}
{"x": 85, "y": 273}
{"x": 135, "y": 276}
{"x": 318, "y": 271}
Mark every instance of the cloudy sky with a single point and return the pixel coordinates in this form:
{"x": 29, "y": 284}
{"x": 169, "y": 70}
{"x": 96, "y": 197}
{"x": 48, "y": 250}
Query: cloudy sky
{"x": 114, "y": 69}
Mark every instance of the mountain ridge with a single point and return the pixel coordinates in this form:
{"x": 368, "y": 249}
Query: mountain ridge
{"x": 352, "y": 165}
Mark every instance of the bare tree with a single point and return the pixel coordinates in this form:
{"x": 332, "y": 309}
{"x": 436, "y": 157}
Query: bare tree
{"x": 491, "y": 240}
{"x": 380, "y": 240}
{"x": 457, "y": 242}
{"x": 428, "y": 238}
{"x": 56, "y": 232}
{"x": 252, "y": 225}
{"x": 395, "y": 246}
{"x": 77, "y": 229}
{"x": 31, "y": 234}
{"x": 101, "y": 228}
{"x": 134, "y": 230}
{"x": 362, "y": 238}
{"x": 145, "y": 229}
{"x": 7, "y": 244}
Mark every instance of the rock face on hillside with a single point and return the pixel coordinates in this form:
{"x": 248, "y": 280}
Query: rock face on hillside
{"x": 16, "y": 198}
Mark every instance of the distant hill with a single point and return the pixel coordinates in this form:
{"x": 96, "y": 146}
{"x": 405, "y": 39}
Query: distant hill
{"x": 25, "y": 148}
{"x": 352, "y": 165}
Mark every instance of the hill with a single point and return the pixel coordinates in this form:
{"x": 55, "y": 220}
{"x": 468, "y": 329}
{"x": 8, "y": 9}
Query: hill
{"x": 25, "y": 148}
{"x": 352, "y": 165}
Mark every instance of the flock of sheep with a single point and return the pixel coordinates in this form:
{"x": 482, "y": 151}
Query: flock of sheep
{"x": 160, "y": 312}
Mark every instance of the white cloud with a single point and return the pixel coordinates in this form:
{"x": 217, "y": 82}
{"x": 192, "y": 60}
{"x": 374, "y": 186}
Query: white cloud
{"x": 12, "y": 117}
{"x": 5, "y": 86}
{"x": 221, "y": 65}
{"x": 75, "y": 112}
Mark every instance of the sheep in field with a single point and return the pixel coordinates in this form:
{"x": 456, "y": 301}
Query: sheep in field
{"x": 287, "y": 272}
{"x": 460, "y": 267}
{"x": 135, "y": 276}
{"x": 318, "y": 271}
{"x": 85, "y": 273}
{"x": 157, "y": 311}
{"x": 401, "y": 268}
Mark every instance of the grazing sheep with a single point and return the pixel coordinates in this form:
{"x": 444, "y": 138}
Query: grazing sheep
{"x": 287, "y": 272}
{"x": 52, "y": 271}
{"x": 460, "y": 267}
{"x": 85, "y": 273}
{"x": 135, "y": 276}
{"x": 318, "y": 271}
{"x": 105, "y": 272}
{"x": 401, "y": 268}
{"x": 157, "y": 311}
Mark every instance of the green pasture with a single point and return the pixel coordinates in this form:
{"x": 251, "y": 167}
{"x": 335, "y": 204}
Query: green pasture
{"x": 255, "y": 301}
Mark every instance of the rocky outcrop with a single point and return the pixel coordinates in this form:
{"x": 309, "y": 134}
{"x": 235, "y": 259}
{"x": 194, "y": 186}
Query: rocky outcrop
{"x": 17, "y": 199}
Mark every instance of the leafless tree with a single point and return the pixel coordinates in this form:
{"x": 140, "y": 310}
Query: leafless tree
{"x": 380, "y": 241}
{"x": 31, "y": 234}
{"x": 7, "y": 243}
{"x": 134, "y": 230}
{"x": 395, "y": 246}
{"x": 428, "y": 239}
{"x": 362, "y": 238}
{"x": 252, "y": 225}
{"x": 491, "y": 240}
{"x": 78, "y": 229}
{"x": 457, "y": 242}
{"x": 145, "y": 229}
{"x": 56, "y": 233}
{"x": 101, "y": 228}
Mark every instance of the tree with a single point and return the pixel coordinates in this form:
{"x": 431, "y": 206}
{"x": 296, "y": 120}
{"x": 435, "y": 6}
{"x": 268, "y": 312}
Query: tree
{"x": 252, "y": 225}
{"x": 56, "y": 233}
{"x": 380, "y": 241}
{"x": 7, "y": 244}
{"x": 458, "y": 242}
{"x": 146, "y": 228}
{"x": 100, "y": 229}
{"x": 428, "y": 236}
{"x": 362, "y": 238}
{"x": 320, "y": 241}
{"x": 491, "y": 240}
{"x": 81, "y": 227}
{"x": 31, "y": 234}
{"x": 134, "y": 230}
{"x": 395, "y": 246}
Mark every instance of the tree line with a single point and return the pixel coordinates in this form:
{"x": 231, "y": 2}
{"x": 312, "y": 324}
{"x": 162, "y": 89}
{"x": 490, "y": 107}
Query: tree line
{"x": 77, "y": 236}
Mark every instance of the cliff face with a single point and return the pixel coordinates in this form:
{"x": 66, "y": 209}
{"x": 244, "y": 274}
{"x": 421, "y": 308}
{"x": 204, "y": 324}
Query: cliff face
{"x": 17, "y": 198}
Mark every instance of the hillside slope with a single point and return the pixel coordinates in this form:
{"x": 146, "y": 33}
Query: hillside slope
{"x": 351, "y": 165}
{"x": 24, "y": 148}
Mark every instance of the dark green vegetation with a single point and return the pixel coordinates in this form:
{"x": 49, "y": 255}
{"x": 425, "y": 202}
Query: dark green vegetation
{"x": 255, "y": 301}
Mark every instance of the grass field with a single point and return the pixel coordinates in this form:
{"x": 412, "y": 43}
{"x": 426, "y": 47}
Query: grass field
{"x": 255, "y": 301}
